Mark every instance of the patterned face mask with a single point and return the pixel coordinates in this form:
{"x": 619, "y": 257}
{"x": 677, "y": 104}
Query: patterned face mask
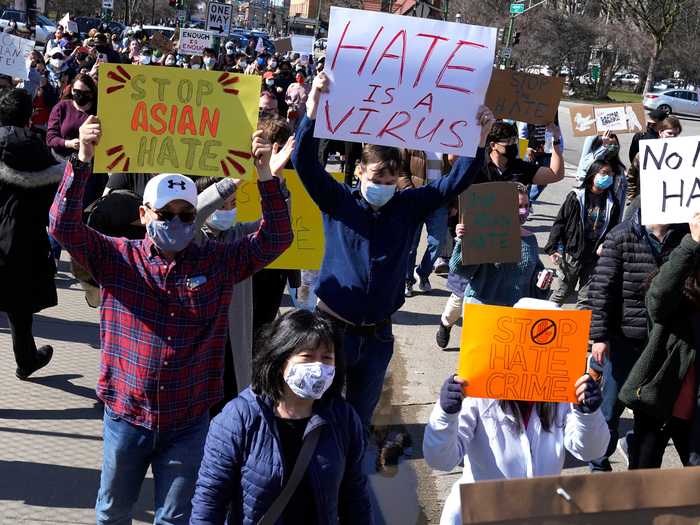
{"x": 310, "y": 380}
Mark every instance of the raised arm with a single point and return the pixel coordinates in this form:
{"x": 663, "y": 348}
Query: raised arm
{"x": 555, "y": 172}
{"x": 88, "y": 247}
{"x": 326, "y": 192}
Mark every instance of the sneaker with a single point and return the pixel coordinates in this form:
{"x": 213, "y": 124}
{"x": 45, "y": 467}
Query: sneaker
{"x": 442, "y": 338}
{"x": 43, "y": 356}
{"x": 423, "y": 284}
{"x": 623, "y": 445}
{"x": 408, "y": 291}
{"x": 441, "y": 266}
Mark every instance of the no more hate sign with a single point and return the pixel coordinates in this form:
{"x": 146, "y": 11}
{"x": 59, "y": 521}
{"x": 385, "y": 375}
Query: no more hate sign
{"x": 404, "y": 81}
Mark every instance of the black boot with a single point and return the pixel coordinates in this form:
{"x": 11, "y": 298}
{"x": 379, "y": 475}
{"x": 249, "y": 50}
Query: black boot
{"x": 442, "y": 338}
{"x": 43, "y": 356}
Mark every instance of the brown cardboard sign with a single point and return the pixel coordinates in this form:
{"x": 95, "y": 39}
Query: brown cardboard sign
{"x": 489, "y": 213}
{"x": 283, "y": 45}
{"x": 162, "y": 44}
{"x": 587, "y": 120}
{"x": 587, "y": 500}
{"x": 524, "y": 97}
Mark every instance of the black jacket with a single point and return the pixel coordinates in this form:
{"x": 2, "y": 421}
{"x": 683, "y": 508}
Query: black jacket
{"x": 634, "y": 146}
{"x": 568, "y": 228}
{"x": 619, "y": 283}
{"x": 29, "y": 177}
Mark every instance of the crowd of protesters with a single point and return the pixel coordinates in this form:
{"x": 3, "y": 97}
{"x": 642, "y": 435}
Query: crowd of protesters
{"x": 250, "y": 416}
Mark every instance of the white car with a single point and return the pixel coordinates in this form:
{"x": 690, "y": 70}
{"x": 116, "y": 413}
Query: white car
{"x": 45, "y": 28}
{"x": 677, "y": 101}
{"x": 627, "y": 79}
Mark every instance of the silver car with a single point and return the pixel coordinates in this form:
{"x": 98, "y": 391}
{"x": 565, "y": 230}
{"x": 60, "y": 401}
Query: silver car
{"x": 678, "y": 101}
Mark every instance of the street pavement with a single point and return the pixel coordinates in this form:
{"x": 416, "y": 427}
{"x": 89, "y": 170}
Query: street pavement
{"x": 51, "y": 425}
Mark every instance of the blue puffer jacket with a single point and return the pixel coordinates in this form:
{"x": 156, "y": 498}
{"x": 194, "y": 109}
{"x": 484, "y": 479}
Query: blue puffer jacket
{"x": 242, "y": 472}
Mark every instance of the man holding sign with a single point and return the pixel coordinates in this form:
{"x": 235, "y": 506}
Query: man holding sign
{"x": 163, "y": 325}
{"x": 513, "y": 435}
{"x": 369, "y": 231}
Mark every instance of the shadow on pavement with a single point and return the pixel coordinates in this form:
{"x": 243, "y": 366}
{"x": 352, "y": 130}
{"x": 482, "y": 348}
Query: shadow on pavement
{"x": 94, "y": 412}
{"x": 63, "y": 382}
{"x": 415, "y": 318}
{"x": 56, "y": 486}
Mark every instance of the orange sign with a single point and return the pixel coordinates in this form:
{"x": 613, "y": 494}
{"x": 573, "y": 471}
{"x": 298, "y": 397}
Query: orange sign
{"x": 523, "y": 355}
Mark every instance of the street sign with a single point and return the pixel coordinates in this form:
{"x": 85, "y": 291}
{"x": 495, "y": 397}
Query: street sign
{"x": 219, "y": 18}
{"x": 595, "y": 73}
{"x": 517, "y": 8}
{"x": 107, "y": 4}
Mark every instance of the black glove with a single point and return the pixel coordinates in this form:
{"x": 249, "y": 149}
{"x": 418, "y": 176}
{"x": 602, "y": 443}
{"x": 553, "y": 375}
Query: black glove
{"x": 593, "y": 398}
{"x": 451, "y": 396}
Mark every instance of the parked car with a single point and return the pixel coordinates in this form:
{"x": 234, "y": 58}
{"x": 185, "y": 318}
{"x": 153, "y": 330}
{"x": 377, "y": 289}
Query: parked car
{"x": 678, "y": 101}
{"x": 627, "y": 79}
{"x": 668, "y": 83}
{"x": 45, "y": 28}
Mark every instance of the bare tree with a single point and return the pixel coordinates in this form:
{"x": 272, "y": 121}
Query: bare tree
{"x": 655, "y": 17}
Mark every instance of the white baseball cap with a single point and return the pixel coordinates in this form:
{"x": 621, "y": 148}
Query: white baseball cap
{"x": 167, "y": 187}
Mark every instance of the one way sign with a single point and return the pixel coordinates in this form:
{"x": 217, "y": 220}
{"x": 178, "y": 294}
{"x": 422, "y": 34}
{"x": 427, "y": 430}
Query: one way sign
{"x": 219, "y": 18}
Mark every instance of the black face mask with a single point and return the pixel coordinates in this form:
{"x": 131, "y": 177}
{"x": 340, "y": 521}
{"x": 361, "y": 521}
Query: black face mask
{"x": 512, "y": 152}
{"x": 82, "y": 99}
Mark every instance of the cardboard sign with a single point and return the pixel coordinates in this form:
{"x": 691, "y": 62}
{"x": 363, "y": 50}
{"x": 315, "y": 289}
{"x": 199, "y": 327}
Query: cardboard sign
{"x": 670, "y": 179}
{"x": 306, "y": 252}
{"x": 489, "y": 212}
{"x": 596, "y": 120}
{"x": 303, "y": 44}
{"x": 523, "y": 355}
{"x": 14, "y": 55}
{"x": 68, "y": 25}
{"x": 524, "y": 97}
{"x": 161, "y": 43}
{"x": 219, "y": 18}
{"x": 194, "y": 41}
{"x": 404, "y": 81}
{"x": 165, "y": 119}
{"x": 283, "y": 45}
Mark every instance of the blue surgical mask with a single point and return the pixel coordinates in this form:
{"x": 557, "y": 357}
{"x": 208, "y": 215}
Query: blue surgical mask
{"x": 222, "y": 220}
{"x": 378, "y": 194}
{"x": 171, "y": 236}
{"x": 603, "y": 181}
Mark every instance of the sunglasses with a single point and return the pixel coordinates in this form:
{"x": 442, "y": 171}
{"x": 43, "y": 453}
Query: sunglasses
{"x": 165, "y": 215}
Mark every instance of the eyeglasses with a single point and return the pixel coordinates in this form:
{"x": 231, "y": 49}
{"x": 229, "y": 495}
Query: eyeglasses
{"x": 165, "y": 215}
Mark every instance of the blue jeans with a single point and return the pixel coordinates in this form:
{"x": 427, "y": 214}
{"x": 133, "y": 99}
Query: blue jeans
{"x": 128, "y": 451}
{"x": 537, "y": 189}
{"x": 436, "y": 224}
{"x": 367, "y": 359}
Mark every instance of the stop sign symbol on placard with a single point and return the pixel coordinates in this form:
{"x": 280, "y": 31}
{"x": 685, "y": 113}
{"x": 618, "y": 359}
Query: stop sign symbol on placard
{"x": 219, "y": 18}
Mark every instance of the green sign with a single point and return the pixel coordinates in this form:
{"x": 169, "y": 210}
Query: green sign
{"x": 517, "y": 8}
{"x": 595, "y": 73}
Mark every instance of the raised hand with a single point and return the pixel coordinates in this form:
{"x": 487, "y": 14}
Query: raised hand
{"x": 89, "y": 136}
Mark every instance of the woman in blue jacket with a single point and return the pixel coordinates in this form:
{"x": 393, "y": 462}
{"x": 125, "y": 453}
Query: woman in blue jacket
{"x": 254, "y": 443}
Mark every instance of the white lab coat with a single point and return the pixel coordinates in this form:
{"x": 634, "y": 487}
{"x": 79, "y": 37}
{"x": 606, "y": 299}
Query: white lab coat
{"x": 489, "y": 441}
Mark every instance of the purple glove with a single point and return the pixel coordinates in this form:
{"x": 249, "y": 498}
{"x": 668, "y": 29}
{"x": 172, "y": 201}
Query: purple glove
{"x": 451, "y": 396}
{"x": 592, "y": 399}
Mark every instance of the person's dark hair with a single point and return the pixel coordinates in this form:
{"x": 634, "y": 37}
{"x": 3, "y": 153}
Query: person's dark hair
{"x": 15, "y": 107}
{"x": 88, "y": 81}
{"x": 502, "y": 131}
{"x": 276, "y": 128}
{"x": 202, "y": 183}
{"x": 209, "y": 51}
{"x": 288, "y": 335}
{"x": 670, "y": 122}
{"x": 615, "y": 162}
{"x": 593, "y": 171}
{"x": 657, "y": 115}
{"x": 387, "y": 158}
{"x": 598, "y": 141}
{"x": 547, "y": 413}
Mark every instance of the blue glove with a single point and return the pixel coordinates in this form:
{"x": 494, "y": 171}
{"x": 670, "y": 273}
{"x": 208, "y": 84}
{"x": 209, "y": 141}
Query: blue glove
{"x": 593, "y": 397}
{"x": 451, "y": 396}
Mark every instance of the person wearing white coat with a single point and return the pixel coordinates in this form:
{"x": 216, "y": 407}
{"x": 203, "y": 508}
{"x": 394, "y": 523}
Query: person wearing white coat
{"x": 495, "y": 441}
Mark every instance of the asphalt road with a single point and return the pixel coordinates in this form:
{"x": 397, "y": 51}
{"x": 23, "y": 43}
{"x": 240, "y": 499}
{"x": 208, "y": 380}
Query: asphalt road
{"x": 411, "y": 492}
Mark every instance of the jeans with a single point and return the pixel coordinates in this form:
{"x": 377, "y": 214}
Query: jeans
{"x": 367, "y": 359}
{"x": 174, "y": 457}
{"x": 436, "y": 224}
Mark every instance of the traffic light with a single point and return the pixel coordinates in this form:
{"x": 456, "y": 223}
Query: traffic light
{"x": 516, "y": 38}
{"x": 502, "y": 36}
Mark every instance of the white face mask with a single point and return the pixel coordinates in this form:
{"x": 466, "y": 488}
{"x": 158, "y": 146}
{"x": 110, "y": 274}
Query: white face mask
{"x": 230, "y": 51}
{"x": 310, "y": 380}
{"x": 56, "y": 62}
{"x": 222, "y": 220}
{"x": 145, "y": 60}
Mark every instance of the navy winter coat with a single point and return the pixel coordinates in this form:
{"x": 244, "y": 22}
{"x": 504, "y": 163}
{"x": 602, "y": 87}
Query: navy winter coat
{"x": 242, "y": 471}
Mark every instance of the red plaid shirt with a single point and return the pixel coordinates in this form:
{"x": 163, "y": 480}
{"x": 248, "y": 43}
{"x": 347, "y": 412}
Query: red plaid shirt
{"x": 163, "y": 323}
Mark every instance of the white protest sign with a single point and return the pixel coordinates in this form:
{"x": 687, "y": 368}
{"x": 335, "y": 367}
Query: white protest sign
{"x": 302, "y": 44}
{"x": 68, "y": 25}
{"x": 14, "y": 55}
{"x": 219, "y": 18}
{"x": 670, "y": 179}
{"x": 404, "y": 81}
{"x": 194, "y": 41}
{"x": 610, "y": 119}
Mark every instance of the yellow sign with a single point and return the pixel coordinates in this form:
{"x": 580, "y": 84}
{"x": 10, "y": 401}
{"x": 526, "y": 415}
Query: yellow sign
{"x": 307, "y": 249}
{"x": 523, "y": 355}
{"x": 170, "y": 120}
